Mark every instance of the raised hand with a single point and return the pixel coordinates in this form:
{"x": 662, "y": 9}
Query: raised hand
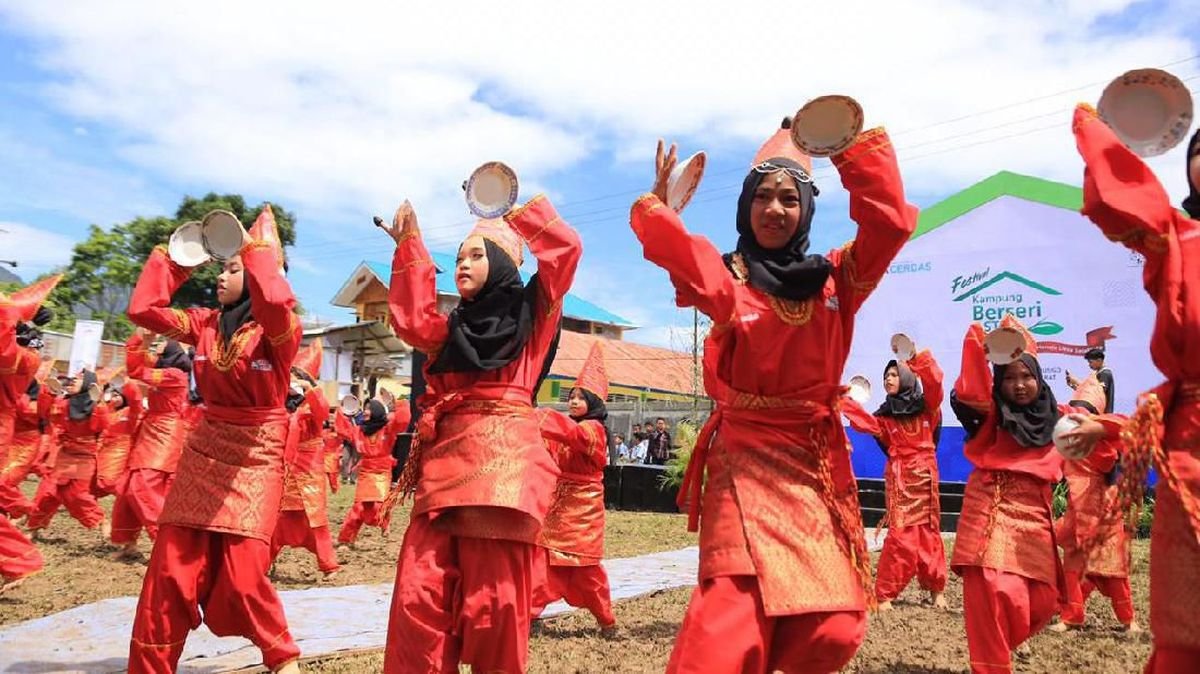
{"x": 664, "y": 164}
{"x": 403, "y": 225}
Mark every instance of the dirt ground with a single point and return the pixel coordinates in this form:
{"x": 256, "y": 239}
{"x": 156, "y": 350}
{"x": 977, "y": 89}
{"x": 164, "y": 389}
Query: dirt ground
{"x": 913, "y": 638}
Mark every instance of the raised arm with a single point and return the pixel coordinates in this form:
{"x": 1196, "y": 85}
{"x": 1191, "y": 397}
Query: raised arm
{"x": 696, "y": 269}
{"x": 316, "y": 412}
{"x": 582, "y": 437}
{"x": 926, "y": 367}
{"x": 974, "y": 385}
{"x": 1120, "y": 193}
{"x": 150, "y": 303}
{"x": 553, "y": 242}
{"x": 412, "y": 290}
{"x": 271, "y": 300}
{"x": 859, "y": 418}
{"x": 137, "y": 358}
{"x": 870, "y": 174}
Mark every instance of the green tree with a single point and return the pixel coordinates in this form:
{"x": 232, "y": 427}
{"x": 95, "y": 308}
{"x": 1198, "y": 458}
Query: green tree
{"x": 105, "y": 266}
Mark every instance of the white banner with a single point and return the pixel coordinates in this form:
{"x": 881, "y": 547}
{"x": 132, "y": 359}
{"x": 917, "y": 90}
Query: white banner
{"x": 85, "y": 346}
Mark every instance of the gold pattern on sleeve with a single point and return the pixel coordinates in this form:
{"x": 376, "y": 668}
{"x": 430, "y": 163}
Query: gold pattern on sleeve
{"x": 867, "y": 142}
{"x": 544, "y": 227}
{"x": 850, "y": 271}
{"x": 520, "y": 210}
{"x": 293, "y": 323}
{"x": 183, "y": 325}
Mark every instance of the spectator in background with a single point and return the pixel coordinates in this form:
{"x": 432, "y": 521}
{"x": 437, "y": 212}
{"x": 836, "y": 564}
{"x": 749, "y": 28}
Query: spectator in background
{"x": 660, "y": 443}
{"x": 635, "y": 435}
{"x": 637, "y": 454}
{"x": 621, "y": 448}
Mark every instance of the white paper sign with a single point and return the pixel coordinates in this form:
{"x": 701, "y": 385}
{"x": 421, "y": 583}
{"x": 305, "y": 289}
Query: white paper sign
{"x": 85, "y": 347}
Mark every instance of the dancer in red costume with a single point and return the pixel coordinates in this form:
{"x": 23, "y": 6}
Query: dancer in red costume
{"x": 1091, "y": 533}
{"x": 482, "y": 477}
{"x": 213, "y": 549}
{"x": 374, "y": 441}
{"x": 906, "y": 427}
{"x": 125, "y": 404}
{"x": 80, "y": 420}
{"x": 573, "y": 532}
{"x": 1125, "y": 200}
{"x": 154, "y": 456}
{"x": 304, "y": 520}
{"x": 19, "y": 341}
{"x": 785, "y": 578}
{"x": 1004, "y": 549}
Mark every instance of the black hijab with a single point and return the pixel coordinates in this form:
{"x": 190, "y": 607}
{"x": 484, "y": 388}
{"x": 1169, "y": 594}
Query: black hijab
{"x": 788, "y": 272}
{"x": 489, "y": 331}
{"x": 379, "y": 418}
{"x": 596, "y": 411}
{"x": 234, "y": 316}
{"x": 174, "y": 356}
{"x": 80, "y": 404}
{"x": 909, "y": 400}
{"x": 1031, "y": 425}
{"x": 33, "y": 389}
{"x": 1192, "y": 203}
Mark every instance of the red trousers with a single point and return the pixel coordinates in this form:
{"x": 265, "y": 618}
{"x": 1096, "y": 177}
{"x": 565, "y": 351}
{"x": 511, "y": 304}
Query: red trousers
{"x": 18, "y": 557}
{"x": 1002, "y": 610}
{"x": 725, "y": 630}
{"x": 75, "y": 495}
{"x": 908, "y": 552}
{"x": 582, "y": 587}
{"x": 1079, "y": 588}
{"x": 367, "y": 512}
{"x": 292, "y": 530}
{"x": 140, "y": 497}
{"x": 13, "y": 503}
{"x": 223, "y": 575}
{"x": 459, "y": 599}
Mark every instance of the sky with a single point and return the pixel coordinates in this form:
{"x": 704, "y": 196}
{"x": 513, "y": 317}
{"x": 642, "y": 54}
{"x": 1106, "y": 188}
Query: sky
{"x": 341, "y": 111}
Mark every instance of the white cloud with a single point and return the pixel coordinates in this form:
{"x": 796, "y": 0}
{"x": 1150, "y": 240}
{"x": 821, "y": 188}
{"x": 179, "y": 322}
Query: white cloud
{"x": 35, "y": 250}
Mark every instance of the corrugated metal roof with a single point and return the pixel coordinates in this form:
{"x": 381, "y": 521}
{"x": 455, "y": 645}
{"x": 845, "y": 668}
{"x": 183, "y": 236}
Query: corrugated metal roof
{"x": 573, "y": 305}
{"x": 627, "y": 363}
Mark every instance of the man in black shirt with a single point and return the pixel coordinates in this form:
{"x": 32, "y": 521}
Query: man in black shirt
{"x": 1095, "y": 360}
{"x": 660, "y": 443}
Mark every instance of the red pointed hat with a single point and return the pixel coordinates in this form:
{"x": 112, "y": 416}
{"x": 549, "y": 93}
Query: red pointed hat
{"x": 781, "y": 146}
{"x": 265, "y": 230}
{"x": 1009, "y": 321}
{"x": 593, "y": 378}
{"x": 23, "y": 304}
{"x": 1091, "y": 391}
{"x": 308, "y": 360}
{"x": 498, "y": 232}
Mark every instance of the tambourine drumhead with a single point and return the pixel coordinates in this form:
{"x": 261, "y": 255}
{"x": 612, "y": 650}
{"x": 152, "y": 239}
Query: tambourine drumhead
{"x": 386, "y": 397}
{"x": 186, "y": 245}
{"x": 827, "y": 125}
{"x": 95, "y": 393}
{"x": 1004, "y": 345}
{"x": 684, "y": 180}
{"x": 860, "y": 389}
{"x": 1150, "y": 110}
{"x": 350, "y": 405}
{"x": 222, "y": 234}
{"x": 54, "y": 386}
{"x": 492, "y": 190}
{"x": 903, "y": 347}
{"x": 1064, "y": 426}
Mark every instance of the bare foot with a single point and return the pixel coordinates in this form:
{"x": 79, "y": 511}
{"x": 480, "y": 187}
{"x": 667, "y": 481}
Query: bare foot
{"x": 610, "y": 632}
{"x": 939, "y": 600}
{"x": 128, "y": 552}
{"x": 12, "y": 584}
{"x": 1057, "y": 628}
{"x": 292, "y": 667}
{"x": 331, "y": 574}
{"x": 884, "y": 606}
{"x": 1024, "y": 652}
{"x": 35, "y": 535}
{"x": 1133, "y": 628}
{"x": 106, "y": 530}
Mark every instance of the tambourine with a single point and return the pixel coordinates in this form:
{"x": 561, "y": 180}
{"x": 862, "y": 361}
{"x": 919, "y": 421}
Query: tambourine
{"x": 386, "y": 397}
{"x": 219, "y": 236}
{"x": 1150, "y": 110}
{"x": 860, "y": 389}
{"x": 827, "y": 125}
{"x": 903, "y": 347}
{"x": 53, "y": 385}
{"x": 491, "y": 190}
{"x": 95, "y": 393}
{"x": 350, "y": 405}
{"x": 1004, "y": 345}
{"x": 683, "y": 181}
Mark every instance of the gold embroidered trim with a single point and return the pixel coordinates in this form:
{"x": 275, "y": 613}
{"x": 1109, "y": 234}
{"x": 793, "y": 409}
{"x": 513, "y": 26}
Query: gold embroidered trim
{"x": 405, "y": 236}
{"x": 850, "y": 271}
{"x": 226, "y": 356}
{"x": 546, "y": 226}
{"x": 791, "y": 312}
{"x": 183, "y": 325}
{"x": 520, "y": 210}
{"x": 867, "y": 142}
{"x": 292, "y": 325}
{"x": 737, "y": 265}
{"x": 646, "y": 197}
{"x": 412, "y": 263}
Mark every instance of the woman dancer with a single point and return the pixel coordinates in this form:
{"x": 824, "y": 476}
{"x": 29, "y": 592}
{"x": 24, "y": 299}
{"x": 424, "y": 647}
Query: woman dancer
{"x": 784, "y": 572}
{"x": 213, "y": 546}
{"x": 906, "y": 427}
{"x": 481, "y": 474}
{"x": 373, "y": 441}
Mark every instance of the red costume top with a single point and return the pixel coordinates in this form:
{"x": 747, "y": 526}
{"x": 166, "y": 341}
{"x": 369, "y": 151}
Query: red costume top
{"x": 911, "y": 475}
{"x": 304, "y": 482}
{"x": 117, "y": 439}
{"x": 18, "y": 365}
{"x": 1092, "y": 532}
{"x": 26, "y": 443}
{"x": 478, "y": 442}
{"x": 230, "y": 476}
{"x": 1006, "y": 522}
{"x": 375, "y": 454}
{"x": 776, "y": 437}
{"x": 333, "y": 458}
{"x": 573, "y": 530}
{"x": 164, "y": 429}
